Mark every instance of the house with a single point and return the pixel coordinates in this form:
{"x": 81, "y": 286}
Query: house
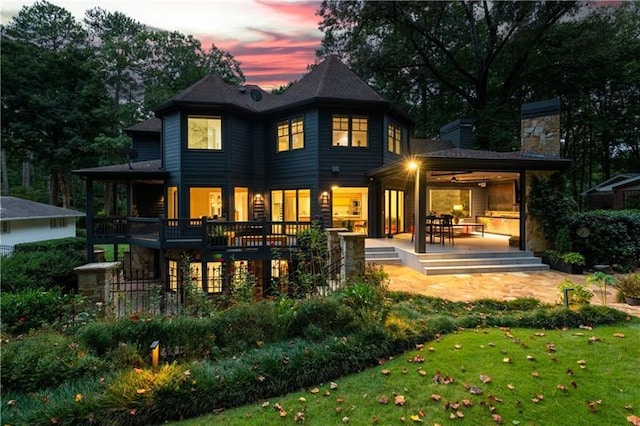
{"x": 25, "y": 221}
{"x": 233, "y": 173}
{"x": 615, "y": 193}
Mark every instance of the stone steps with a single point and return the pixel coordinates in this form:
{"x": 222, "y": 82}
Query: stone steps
{"x": 382, "y": 256}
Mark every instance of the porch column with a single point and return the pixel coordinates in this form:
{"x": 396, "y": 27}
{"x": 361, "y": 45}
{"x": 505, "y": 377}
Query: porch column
{"x": 352, "y": 247}
{"x": 89, "y": 221}
{"x": 420, "y": 209}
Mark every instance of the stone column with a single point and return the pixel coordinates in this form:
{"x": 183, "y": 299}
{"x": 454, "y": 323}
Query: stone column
{"x": 95, "y": 280}
{"x": 352, "y": 247}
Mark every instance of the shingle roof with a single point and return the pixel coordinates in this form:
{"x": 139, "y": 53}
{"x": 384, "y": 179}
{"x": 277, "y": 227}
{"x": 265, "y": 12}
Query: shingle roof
{"x": 331, "y": 80}
{"x": 12, "y": 208}
{"x": 142, "y": 169}
{"x": 423, "y": 146}
{"x": 150, "y": 125}
{"x": 612, "y": 183}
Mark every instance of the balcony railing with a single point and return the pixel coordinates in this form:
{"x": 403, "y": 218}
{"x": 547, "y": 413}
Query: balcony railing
{"x": 204, "y": 232}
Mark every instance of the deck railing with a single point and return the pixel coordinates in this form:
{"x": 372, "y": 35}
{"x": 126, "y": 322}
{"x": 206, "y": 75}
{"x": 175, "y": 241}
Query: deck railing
{"x": 203, "y": 231}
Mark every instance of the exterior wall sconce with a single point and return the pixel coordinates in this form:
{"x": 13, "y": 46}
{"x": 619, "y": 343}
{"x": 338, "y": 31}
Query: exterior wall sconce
{"x": 155, "y": 354}
{"x": 324, "y": 199}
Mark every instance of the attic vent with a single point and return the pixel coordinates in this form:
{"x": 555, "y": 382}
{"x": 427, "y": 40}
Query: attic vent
{"x": 242, "y": 90}
{"x": 255, "y": 95}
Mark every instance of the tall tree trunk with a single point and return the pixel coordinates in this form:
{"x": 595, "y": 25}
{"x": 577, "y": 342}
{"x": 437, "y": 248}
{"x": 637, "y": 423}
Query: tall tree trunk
{"x": 26, "y": 173}
{"x": 54, "y": 189}
{"x": 64, "y": 189}
{"x": 5, "y": 175}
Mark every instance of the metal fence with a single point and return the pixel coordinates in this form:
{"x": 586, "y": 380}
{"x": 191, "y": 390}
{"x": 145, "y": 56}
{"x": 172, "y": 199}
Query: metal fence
{"x": 6, "y": 250}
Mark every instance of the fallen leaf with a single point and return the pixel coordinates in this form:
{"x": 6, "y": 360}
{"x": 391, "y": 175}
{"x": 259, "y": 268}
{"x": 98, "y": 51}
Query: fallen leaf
{"x": 315, "y": 390}
{"x": 333, "y": 385}
{"x": 574, "y": 384}
{"x": 338, "y": 409}
{"x": 78, "y": 397}
{"x": 491, "y": 344}
{"x": 422, "y": 372}
{"x": 416, "y": 418}
{"x": 452, "y": 416}
{"x": 619, "y": 335}
{"x": 386, "y": 372}
{"x": 594, "y": 339}
{"x": 535, "y": 374}
{"x": 431, "y": 349}
{"x": 535, "y": 400}
{"x": 634, "y": 420}
{"x": 582, "y": 362}
{"x": 399, "y": 400}
{"x": 507, "y": 360}
{"x": 459, "y": 414}
{"x": 497, "y": 418}
{"x": 419, "y": 346}
{"x": 458, "y": 346}
{"x": 474, "y": 390}
{"x": 11, "y": 402}
{"x": 139, "y": 391}
{"x": 265, "y": 404}
{"x": 299, "y": 417}
{"x": 383, "y": 399}
{"x": 277, "y": 406}
{"x": 485, "y": 379}
{"x": 551, "y": 347}
{"x": 628, "y": 407}
{"x": 302, "y": 399}
{"x": 467, "y": 403}
{"x": 339, "y": 400}
{"x": 531, "y": 357}
{"x": 510, "y": 386}
{"x": 345, "y": 419}
{"x": 435, "y": 397}
{"x": 586, "y": 327}
{"x": 561, "y": 387}
{"x": 405, "y": 371}
{"x": 539, "y": 334}
{"x": 54, "y": 420}
{"x": 592, "y": 406}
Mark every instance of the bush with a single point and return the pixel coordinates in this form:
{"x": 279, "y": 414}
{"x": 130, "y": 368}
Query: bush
{"x": 62, "y": 244}
{"x": 41, "y": 269}
{"x": 614, "y": 238}
{"x": 43, "y": 360}
{"x": 32, "y": 309}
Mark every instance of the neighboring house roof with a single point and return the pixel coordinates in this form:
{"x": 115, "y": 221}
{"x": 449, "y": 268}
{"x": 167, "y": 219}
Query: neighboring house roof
{"x": 615, "y": 182}
{"x": 12, "y": 208}
{"x": 142, "y": 170}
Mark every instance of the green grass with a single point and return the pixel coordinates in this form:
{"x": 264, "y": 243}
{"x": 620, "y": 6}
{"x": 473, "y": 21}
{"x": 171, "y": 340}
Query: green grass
{"x": 109, "y": 252}
{"x": 605, "y": 392}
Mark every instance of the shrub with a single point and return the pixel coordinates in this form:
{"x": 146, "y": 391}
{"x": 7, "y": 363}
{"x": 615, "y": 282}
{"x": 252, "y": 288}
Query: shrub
{"x": 319, "y": 317}
{"x": 577, "y": 295}
{"x": 40, "y": 269}
{"x": 62, "y": 244}
{"x": 612, "y": 240}
{"x": 45, "y": 359}
{"x": 549, "y": 204}
{"x": 32, "y": 309}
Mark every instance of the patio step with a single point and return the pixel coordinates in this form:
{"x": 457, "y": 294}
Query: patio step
{"x": 382, "y": 256}
{"x": 475, "y": 263}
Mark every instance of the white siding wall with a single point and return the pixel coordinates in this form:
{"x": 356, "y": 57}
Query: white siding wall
{"x": 28, "y": 231}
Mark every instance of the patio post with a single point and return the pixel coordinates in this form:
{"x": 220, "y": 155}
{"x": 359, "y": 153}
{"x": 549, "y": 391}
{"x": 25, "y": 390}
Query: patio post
{"x": 420, "y": 210}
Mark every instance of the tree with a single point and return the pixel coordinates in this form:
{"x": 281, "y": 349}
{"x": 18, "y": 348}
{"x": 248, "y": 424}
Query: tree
{"x": 53, "y": 100}
{"x": 469, "y": 55}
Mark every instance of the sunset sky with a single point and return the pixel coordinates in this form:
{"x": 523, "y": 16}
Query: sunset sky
{"x": 273, "y": 40}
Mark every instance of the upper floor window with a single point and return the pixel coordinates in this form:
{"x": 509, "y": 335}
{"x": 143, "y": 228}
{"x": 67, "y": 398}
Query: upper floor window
{"x": 58, "y": 222}
{"x": 291, "y": 134}
{"x": 6, "y": 227}
{"x": 204, "y": 133}
{"x": 394, "y": 138}
{"x": 349, "y": 130}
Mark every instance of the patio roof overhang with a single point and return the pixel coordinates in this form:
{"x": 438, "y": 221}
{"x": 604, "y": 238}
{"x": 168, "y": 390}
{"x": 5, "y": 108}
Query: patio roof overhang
{"x": 128, "y": 171}
{"x": 466, "y": 159}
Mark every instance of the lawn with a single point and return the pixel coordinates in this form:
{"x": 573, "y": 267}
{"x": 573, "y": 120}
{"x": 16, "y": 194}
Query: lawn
{"x": 479, "y": 377}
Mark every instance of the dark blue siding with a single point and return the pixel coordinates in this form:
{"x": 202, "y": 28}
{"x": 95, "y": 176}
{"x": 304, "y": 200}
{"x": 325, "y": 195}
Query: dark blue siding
{"x": 172, "y": 142}
{"x": 147, "y": 146}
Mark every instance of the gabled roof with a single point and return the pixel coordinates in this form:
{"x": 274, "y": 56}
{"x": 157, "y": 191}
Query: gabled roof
{"x": 151, "y": 169}
{"x": 12, "y": 208}
{"x": 615, "y": 182}
{"x": 423, "y": 146}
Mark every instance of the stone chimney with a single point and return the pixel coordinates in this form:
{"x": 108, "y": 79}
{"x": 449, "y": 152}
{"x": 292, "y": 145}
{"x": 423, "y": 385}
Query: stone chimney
{"x": 460, "y": 132}
{"x": 540, "y": 128}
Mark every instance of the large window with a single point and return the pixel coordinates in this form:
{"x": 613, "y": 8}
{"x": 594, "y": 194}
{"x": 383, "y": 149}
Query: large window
{"x": 58, "y": 222}
{"x": 446, "y": 201}
{"x": 349, "y": 130}
{"x": 291, "y": 205}
{"x": 394, "y": 138}
{"x": 350, "y": 208}
{"x": 291, "y": 134}
{"x": 204, "y": 133}
{"x": 206, "y": 202}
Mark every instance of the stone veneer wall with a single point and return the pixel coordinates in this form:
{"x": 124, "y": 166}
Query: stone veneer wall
{"x": 352, "y": 248}
{"x": 541, "y": 135}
